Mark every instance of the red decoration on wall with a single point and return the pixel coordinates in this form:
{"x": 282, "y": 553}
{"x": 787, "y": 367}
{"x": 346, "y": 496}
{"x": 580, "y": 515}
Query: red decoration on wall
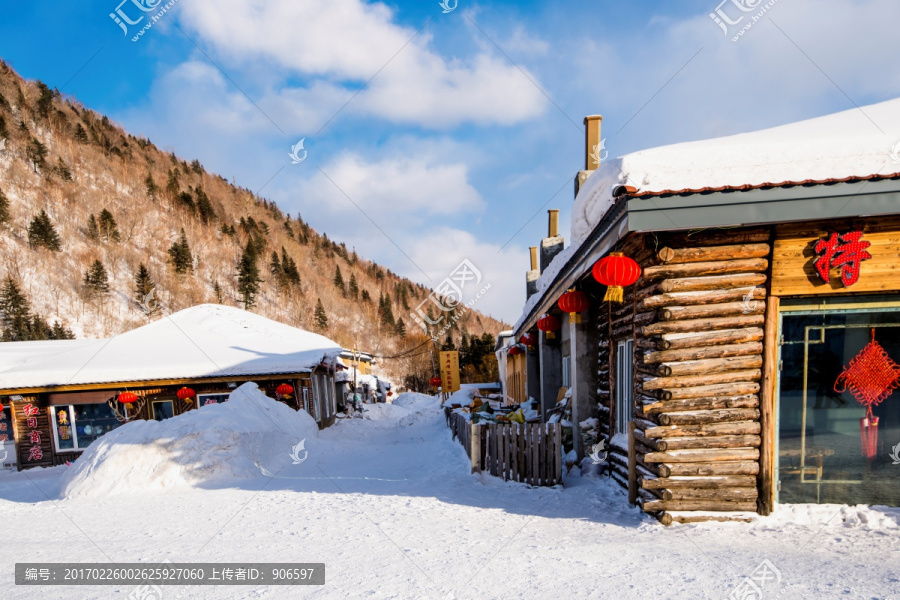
{"x": 574, "y": 303}
{"x": 185, "y": 394}
{"x": 615, "y": 272}
{"x": 871, "y": 377}
{"x": 515, "y": 351}
{"x": 527, "y": 340}
{"x": 845, "y": 250}
{"x": 548, "y": 324}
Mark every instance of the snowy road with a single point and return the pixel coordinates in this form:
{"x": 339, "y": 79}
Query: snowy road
{"x": 389, "y": 506}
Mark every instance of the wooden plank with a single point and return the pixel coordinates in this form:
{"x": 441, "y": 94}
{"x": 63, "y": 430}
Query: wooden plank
{"x": 632, "y": 465}
{"x": 710, "y": 505}
{"x": 702, "y": 325}
{"x": 687, "y": 381}
{"x": 718, "y": 267}
{"x": 507, "y": 467}
{"x": 695, "y": 339}
{"x": 767, "y": 411}
{"x": 703, "y": 353}
{"x": 535, "y": 453}
{"x": 750, "y": 467}
{"x": 712, "y": 282}
{"x": 688, "y": 456}
{"x": 475, "y": 448}
{"x": 558, "y": 446}
{"x": 708, "y": 253}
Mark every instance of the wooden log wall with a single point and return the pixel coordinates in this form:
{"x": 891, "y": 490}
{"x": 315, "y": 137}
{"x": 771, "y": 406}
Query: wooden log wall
{"x": 699, "y": 315}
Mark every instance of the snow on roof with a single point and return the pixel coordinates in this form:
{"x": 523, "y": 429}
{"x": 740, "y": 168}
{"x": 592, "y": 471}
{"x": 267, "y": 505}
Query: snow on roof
{"x": 856, "y": 143}
{"x": 209, "y": 340}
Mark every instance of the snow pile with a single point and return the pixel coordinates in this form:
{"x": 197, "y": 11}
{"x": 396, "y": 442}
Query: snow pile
{"x": 463, "y": 397}
{"x": 211, "y": 444}
{"x": 406, "y": 409}
{"x": 837, "y": 146}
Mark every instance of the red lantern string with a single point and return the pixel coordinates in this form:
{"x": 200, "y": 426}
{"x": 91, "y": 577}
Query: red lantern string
{"x": 871, "y": 377}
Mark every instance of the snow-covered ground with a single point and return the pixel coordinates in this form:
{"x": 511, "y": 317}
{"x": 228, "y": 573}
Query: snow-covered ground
{"x": 388, "y": 504}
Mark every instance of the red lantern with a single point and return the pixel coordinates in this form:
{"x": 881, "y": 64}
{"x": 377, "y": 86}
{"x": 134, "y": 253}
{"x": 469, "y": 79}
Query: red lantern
{"x": 615, "y": 272}
{"x": 548, "y": 324}
{"x": 435, "y": 382}
{"x": 1, "y": 408}
{"x": 574, "y": 303}
{"x": 185, "y": 394}
{"x": 284, "y": 389}
{"x": 128, "y": 398}
{"x": 527, "y": 340}
{"x": 515, "y": 351}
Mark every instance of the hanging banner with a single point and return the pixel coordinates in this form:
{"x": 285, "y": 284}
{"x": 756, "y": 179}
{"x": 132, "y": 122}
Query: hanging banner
{"x": 450, "y": 371}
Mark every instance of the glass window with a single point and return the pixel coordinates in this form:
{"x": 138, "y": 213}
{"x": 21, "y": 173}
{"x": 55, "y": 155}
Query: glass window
{"x": 209, "y": 399}
{"x": 163, "y": 409}
{"x": 76, "y": 426}
{"x": 624, "y": 384}
{"x": 822, "y": 443}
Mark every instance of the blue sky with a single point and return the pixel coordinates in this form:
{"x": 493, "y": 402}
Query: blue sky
{"x": 456, "y": 129}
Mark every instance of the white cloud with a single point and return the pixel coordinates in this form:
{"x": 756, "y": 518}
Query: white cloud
{"x": 349, "y": 41}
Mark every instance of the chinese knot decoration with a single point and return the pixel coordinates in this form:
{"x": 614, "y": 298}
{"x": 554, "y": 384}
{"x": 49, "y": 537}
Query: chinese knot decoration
{"x": 548, "y": 324}
{"x": 615, "y": 272}
{"x": 844, "y": 250}
{"x": 871, "y": 377}
{"x": 574, "y": 303}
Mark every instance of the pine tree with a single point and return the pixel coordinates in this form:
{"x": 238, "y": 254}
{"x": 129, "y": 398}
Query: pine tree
{"x": 80, "y": 134}
{"x": 108, "y": 228}
{"x": 196, "y": 167}
{"x": 291, "y": 273}
{"x": 62, "y": 170}
{"x": 42, "y": 233}
{"x": 248, "y": 276}
{"x": 401, "y": 328}
{"x": 93, "y": 230}
{"x": 353, "y": 287}
{"x": 386, "y": 312}
{"x": 36, "y": 153}
{"x": 204, "y": 206}
{"x": 276, "y": 268}
{"x": 288, "y": 228}
{"x": 448, "y": 344}
{"x": 181, "y": 255}
{"x": 15, "y": 312}
{"x": 321, "y": 316}
{"x": 150, "y": 185}
{"x": 172, "y": 185}
{"x": 45, "y": 101}
{"x": 96, "y": 280}
{"x": 4, "y": 208}
{"x": 339, "y": 280}
{"x": 217, "y": 290}
{"x": 365, "y": 297}
{"x": 143, "y": 284}
{"x": 59, "y": 332}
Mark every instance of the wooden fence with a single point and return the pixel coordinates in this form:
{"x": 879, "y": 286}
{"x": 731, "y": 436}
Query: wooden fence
{"x": 529, "y": 453}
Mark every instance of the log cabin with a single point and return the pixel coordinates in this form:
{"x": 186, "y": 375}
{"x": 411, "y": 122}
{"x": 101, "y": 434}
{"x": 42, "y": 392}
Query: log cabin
{"x": 754, "y": 359}
{"x": 60, "y": 396}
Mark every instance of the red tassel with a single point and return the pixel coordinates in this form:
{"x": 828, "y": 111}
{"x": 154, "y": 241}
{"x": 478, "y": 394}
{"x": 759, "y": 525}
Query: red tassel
{"x": 868, "y": 433}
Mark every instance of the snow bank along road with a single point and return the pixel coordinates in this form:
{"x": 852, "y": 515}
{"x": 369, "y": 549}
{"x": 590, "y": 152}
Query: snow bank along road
{"x": 388, "y": 504}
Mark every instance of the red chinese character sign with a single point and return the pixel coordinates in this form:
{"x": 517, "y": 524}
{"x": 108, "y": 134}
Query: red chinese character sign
{"x": 871, "y": 377}
{"x": 34, "y": 436}
{"x": 845, "y": 251}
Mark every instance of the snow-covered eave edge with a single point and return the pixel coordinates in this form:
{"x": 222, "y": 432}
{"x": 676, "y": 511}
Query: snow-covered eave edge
{"x": 327, "y": 360}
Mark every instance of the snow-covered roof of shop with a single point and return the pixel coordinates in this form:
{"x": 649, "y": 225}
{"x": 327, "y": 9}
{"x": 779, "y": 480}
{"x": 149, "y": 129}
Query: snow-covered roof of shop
{"x": 209, "y": 340}
{"x": 861, "y": 143}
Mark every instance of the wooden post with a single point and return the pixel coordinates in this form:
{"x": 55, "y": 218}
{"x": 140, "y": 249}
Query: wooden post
{"x": 475, "y": 440}
{"x": 767, "y": 410}
{"x": 632, "y": 465}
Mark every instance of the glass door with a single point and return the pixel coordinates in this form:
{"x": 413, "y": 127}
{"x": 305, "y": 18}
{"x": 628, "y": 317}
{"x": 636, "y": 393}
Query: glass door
{"x": 823, "y": 447}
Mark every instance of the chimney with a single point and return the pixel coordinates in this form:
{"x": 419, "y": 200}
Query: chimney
{"x": 553, "y": 243}
{"x": 533, "y": 275}
{"x": 592, "y": 140}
